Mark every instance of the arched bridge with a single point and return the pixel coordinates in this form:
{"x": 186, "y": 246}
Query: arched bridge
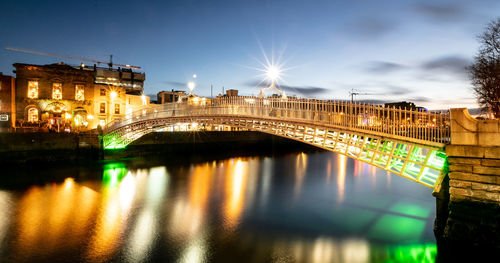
{"x": 409, "y": 143}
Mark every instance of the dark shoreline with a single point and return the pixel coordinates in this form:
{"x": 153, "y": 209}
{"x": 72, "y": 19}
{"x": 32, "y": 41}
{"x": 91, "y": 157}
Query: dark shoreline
{"x": 38, "y": 148}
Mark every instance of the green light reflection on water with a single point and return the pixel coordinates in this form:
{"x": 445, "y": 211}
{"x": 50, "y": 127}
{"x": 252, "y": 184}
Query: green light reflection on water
{"x": 394, "y": 228}
{"x": 410, "y": 209}
{"x": 113, "y": 173}
{"x": 421, "y": 253}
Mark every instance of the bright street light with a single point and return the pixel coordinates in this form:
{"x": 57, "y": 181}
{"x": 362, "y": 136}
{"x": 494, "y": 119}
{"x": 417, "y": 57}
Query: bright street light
{"x": 273, "y": 72}
{"x": 191, "y": 86}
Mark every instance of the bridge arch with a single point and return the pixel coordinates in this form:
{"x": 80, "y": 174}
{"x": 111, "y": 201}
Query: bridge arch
{"x": 417, "y": 158}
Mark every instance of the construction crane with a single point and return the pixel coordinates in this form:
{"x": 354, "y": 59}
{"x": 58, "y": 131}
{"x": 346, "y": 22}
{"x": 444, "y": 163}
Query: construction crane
{"x": 353, "y": 93}
{"x": 110, "y": 63}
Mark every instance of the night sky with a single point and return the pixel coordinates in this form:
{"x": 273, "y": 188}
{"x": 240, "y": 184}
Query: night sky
{"x": 393, "y": 50}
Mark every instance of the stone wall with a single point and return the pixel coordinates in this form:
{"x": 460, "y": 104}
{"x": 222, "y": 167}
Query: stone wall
{"x": 474, "y": 158}
{"x": 474, "y": 173}
{"x": 473, "y": 211}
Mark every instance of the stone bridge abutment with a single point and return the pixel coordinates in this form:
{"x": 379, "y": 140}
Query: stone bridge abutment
{"x": 468, "y": 200}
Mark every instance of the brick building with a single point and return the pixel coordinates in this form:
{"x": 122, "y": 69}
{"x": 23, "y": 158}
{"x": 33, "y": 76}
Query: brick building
{"x": 7, "y": 110}
{"x": 170, "y": 96}
{"x": 75, "y": 97}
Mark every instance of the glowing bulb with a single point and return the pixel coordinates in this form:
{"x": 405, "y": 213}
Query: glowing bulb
{"x": 273, "y": 72}
{"x": 194, "y": 76}
{"x": 113, "y": 94}
{"x": 191, "y": 85}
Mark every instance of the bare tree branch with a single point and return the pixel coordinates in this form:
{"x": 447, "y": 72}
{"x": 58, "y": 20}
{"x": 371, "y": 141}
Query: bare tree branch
{"x": 485, "y": 70}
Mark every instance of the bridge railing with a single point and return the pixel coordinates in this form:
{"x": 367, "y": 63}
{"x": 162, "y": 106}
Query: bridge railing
{"x": 407, "y": 123}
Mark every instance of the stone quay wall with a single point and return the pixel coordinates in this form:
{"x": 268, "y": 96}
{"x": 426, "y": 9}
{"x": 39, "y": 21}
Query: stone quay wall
{"x": 470, "y": 216}
{"x": 474, "y": 173}
{"x": 474, "y": 158}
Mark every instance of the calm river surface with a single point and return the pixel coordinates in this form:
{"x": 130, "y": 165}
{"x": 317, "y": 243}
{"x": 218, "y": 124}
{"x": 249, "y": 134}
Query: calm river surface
{"x": 296, "y": 207}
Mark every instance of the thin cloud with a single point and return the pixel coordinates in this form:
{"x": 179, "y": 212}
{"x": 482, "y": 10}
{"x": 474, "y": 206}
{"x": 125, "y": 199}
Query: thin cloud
{"x": 378, "y": 89}
{"x": 372, "y": 101}
{"x": 370, "y": 27}
{"x": 452, "y": 64}
{"x": 378, "y": 67}
{"x": 421, "y": 99}
{"x": 176, "y": 84}
{"x": 442, "y": 12}
{"x": 396, "y": 90}
{"x": 303, "y": 90}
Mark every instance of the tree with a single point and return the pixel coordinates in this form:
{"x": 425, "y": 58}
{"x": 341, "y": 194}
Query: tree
{"x": 485, "y": 70}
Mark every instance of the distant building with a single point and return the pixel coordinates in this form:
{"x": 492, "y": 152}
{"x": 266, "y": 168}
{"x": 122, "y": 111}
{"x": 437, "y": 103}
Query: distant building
{"x": 404, "y": 106}
{"x": 75, "y": 97}
{"x": 7, "y": 102}
{"x": 232, "y": 93}
{"x": 170, "y": 96}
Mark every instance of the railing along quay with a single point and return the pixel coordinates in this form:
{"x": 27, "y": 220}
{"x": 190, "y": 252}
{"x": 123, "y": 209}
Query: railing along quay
{"x": 420, "y": 125}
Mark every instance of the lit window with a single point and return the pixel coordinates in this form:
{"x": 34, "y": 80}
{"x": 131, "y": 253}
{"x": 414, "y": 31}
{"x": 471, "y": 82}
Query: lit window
{"x": 57, "y": 91}
{"x": 102, "y": 107}
{"x": 33, "y": 89}
{"x": 79, "y": 92}
{"x": 33, "y": 115}
{"x": 117, "y": 108}
{"x": 103, "y": 92}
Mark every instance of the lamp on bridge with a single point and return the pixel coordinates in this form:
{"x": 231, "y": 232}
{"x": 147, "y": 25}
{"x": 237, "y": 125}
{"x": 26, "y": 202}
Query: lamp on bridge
{"x": 191, "y": 86}
{"x": 273, "y": 74}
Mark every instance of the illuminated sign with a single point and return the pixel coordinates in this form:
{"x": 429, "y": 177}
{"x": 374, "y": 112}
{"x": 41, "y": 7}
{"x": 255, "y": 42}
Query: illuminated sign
{"x": 4, "y": 117}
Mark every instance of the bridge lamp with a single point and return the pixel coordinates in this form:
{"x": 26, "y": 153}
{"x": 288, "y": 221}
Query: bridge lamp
{"x": 273, "y": 72}
{"x": 191, "y": 86}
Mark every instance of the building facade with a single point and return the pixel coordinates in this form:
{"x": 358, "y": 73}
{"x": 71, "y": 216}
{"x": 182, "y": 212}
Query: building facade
{"x": 170, "y": 96}
{"x": 63, "y": 97}
{"x": 7, "y": 110}
{"x": 232, "y": 92}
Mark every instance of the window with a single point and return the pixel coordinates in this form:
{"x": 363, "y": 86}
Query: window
{"x": 33, "y": 115}
{"x": 57, "y": 91}
{"x": 102, "y": 107}
{"x": 79, "y": 92}
{"x": 117, "y": 108}
{"x": 33, "y": 89}
{"x": 103, "y": 92}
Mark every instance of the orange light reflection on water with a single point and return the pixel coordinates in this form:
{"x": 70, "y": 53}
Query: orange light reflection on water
{"x": 7, "y": 210}
{"x": 341, "y": 173}
{"x": 47, "y": 215}
{"x": 116, "y": 202}
{"x": 235, "y": 182}
{"x": 300, "y": 173}
{"x": 189, "y": 213}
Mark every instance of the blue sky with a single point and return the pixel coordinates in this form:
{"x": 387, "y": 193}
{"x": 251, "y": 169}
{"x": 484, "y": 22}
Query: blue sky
{"x": 393, "y": 50}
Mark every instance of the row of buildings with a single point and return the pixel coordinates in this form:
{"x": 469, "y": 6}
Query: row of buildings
{"x": 62, "y": 97}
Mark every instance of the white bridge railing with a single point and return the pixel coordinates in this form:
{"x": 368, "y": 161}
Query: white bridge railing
{"x": 415, "y": 124}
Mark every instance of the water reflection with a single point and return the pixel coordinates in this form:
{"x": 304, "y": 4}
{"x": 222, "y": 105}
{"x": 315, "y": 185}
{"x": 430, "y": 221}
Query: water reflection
{"x": 341, "y": 173}
{"x": 300, "y": 173}
{"x": 47, "y": 217}
{"x": 235, "y": 182}
{"x": 319, "y": 207}
{"x": 145, "y": 228}
{"x": 5, "y": 205}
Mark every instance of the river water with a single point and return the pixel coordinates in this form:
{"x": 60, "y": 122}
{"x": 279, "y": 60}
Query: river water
{"x": 294, "y": 207}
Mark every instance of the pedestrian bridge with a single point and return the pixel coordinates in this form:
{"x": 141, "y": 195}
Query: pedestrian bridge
{"x": 409, "y": 143}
